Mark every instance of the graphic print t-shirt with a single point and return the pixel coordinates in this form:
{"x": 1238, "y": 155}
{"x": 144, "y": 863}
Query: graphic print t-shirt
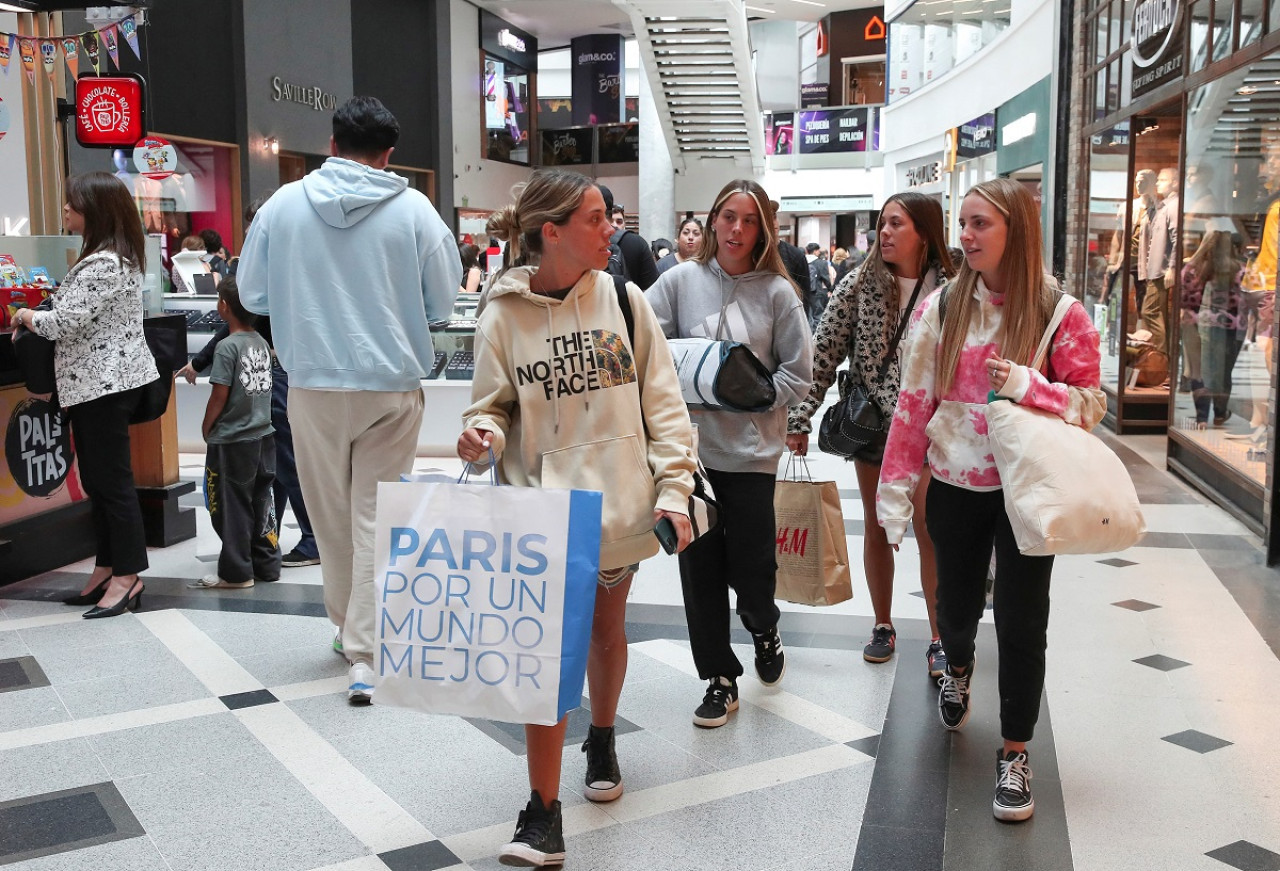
{"x": 242, "y": 362}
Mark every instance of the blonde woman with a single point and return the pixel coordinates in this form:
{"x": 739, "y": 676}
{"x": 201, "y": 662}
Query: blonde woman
{"x": 581, "y": 431}
{"x": 974, "y": 338}
{"x": 907, "y": 262}
{"x": 737, "y": 288}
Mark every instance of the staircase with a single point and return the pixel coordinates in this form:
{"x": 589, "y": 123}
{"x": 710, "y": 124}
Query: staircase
{"x": 697, "y": 56}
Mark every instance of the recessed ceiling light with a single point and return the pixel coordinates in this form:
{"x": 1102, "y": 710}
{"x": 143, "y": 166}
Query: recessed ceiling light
{"x": 1246, "y": 90}
{"x": 810, "y": 3}
{"x": 758, "y": 9}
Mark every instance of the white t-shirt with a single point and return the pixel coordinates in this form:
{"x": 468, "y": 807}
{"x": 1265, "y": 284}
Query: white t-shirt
{"x": 905, "y": 287}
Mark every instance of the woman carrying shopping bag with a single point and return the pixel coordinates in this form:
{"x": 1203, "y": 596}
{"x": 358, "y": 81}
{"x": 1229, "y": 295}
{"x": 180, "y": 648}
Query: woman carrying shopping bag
{"x": 737, "y": 288}
{"x": 568, "y": 394}
{"x": 907, "y": 262}
{"x": 972, "y": 339}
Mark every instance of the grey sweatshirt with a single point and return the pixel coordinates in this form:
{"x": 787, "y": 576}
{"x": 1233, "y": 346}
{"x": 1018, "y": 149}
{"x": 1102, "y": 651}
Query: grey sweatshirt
{"x": 762, "y": 311}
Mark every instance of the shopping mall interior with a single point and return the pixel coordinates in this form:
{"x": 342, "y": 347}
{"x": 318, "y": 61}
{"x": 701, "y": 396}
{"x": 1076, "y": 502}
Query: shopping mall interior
{"x": 212, "y": 728}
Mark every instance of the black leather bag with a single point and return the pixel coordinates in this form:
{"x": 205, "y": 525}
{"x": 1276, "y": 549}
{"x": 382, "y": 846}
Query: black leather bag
{"x": 35, "y": 357}
{"x": 855, "y": 427}
{"x": 166, "y": 339}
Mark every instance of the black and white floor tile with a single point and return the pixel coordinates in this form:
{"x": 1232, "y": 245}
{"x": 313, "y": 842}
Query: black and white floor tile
{"x": 211, "y": 731}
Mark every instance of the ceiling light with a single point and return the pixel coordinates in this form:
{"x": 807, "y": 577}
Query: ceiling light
{"x": 9, "y": 7}
{"x": 1246, "y": 90}
{"x": 758, "y": 9}
{"x": 810, "y": 3}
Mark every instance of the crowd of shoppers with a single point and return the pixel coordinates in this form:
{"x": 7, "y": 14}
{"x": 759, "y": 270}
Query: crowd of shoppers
{"x": 321, "y": 249}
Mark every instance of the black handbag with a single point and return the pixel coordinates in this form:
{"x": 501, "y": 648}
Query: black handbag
{"x": 35, "y": 357}
{"x": 855, "y": 427}
{"x": 166, "y": 338}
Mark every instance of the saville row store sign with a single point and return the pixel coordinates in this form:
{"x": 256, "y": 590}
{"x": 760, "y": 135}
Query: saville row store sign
{"x": 1156, "y": 39}
{"x": 312, "y": 97}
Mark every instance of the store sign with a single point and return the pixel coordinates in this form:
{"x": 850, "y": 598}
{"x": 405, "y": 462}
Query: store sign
{"x": 312, "y": 97}
{"x": 109, "y": 111}
{"x": 977, "y": 137}
{"x": 1018, "y": 129}
{"x": 566, "y": 147}
{"x": 1024, "y": 123}
{"x": 834, "y": 131}
{"x": 619, "y": 143}
{"x": 923, "y": 174}
{"x": 37, "y": 447}
{"x": 814, "y": 94}
{"x": 1156, "y": 37}
{"x": 508, "y": 43}
{"x": 507, "y": 39}
{"x": 800, "y": 205}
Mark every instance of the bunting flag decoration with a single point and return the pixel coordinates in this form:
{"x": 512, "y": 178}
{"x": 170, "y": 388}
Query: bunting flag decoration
{"x": 129, "y": 30}
{"x": 111, "y": 39}
{"x": 88, "y": 45}
{"x": 27, "y": 48}
{"x": 71, "y": 53}
{"x": 90, "y": 42}
{"x": 8, "y": 42}
{"x": 49, "y": 55}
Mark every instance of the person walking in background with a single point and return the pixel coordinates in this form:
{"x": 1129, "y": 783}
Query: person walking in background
{"x": 286, "y": 488}
{"x": 215, "y": 254}
{"x": 240, "y": 465}
{"x": 907, "y": 263}
{"x": 819, "y": 283}
{"x": 737, "y": 289}
{"x": 689, "y": 240}
{"x": 101, "y": 363}
{"x": 353, "y": 264}
{"x": 471, "y": 274}
{"x": 636, "y": 264}
{"x": 793, "y": 258}
{"x": 977, "y": 336}
{"x": 558, "y": 232}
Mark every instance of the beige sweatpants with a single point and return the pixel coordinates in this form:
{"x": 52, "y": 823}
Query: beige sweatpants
{"x": 346, "y": 442}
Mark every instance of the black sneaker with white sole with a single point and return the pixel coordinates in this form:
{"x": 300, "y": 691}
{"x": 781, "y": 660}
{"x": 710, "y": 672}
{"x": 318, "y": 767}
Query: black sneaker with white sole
{"x": 937, "y": 659}
{"x": 721, "y": 700}
{"x": 771, "y": 659}
{"x": 883, "y": 640}
{"x": 953, "y": 697}
{"x": 539, "y": 837}
{"x": 295, "y": 558}
{"x": 1013, "y": 802}
{"x": 604, "y": 780}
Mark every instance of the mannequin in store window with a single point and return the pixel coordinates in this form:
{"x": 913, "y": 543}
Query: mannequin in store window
{"x": 1261, "y": 282}
{"x": 1158, "y": 245}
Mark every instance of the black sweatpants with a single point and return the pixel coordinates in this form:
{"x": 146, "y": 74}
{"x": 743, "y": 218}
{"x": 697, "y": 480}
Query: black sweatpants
{"x": 238, "y": 478}
{"x": 100, "y": 428}
{"x": 963, "y": 525}
{"x": 740, "y": 554}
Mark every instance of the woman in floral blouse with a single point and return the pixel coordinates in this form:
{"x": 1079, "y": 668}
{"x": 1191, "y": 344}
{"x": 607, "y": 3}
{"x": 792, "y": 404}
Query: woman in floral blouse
{"x": 101, "y": 363}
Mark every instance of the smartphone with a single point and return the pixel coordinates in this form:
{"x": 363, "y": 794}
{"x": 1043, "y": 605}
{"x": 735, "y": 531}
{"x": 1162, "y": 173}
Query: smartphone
{"x": 665, "y": 530}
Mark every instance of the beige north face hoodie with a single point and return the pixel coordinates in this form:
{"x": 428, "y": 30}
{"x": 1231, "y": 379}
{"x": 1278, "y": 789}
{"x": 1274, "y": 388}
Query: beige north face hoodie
{"x": 574, "y": 404}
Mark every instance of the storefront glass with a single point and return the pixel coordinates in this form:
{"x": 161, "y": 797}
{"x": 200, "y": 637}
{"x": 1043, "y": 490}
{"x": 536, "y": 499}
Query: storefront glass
{"x": 1108, "y": 216}
{"x": 506, "y": 111}
{"x": 931, "y": 38}
{"x": 1231, "y": 223}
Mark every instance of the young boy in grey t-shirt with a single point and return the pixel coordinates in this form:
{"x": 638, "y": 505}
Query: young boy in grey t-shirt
{"x": 240, "y": 464}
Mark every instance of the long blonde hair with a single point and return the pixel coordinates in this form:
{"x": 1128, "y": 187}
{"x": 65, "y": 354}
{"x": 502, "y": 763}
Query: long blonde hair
{"x": 1029, "y": 294}
{"x": 765, "y": 256}
{"x": 551, "y": 195}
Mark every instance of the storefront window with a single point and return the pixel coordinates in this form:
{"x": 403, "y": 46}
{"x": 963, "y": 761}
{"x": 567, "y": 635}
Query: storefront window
{"x": 929, "y": 39}
{"x": 1199, "y": 23}
{"x": 1104, "y": 285}
{"x": 1231, "y": 222}
{"x": 1223, "y": 23}
{"x": 1250, "y": 21}
{"x": 506, "y": 111}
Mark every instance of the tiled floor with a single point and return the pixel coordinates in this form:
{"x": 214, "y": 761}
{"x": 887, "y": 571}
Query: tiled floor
{"x": 210, "y": 731}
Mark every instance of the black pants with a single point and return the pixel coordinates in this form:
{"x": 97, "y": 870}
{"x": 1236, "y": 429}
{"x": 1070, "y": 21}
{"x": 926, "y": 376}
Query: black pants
{"x": 101, "y": 431}
{"x": 963, "y": 525}
{"x": 740, "y": 554}
{"x": 287, "y": 488}
{"x": 238, "y": 478}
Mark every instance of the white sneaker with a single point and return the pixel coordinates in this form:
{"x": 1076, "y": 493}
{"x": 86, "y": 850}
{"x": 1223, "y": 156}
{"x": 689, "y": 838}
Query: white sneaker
{"x": 360, "y": 684}
{"x": 213, "y": 582}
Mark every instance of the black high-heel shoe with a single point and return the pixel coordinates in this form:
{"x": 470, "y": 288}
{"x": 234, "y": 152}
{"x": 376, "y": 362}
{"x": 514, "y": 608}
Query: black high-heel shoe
{"x": 91, "y": 597}
{"x": 130, "y": 602}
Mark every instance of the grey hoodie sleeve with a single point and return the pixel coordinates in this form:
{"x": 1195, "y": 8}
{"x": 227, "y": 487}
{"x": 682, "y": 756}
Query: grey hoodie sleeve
{"x": 793, "y": 348}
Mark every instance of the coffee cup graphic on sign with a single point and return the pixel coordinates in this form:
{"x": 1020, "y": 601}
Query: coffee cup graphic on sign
{"x": 106, "y": 115}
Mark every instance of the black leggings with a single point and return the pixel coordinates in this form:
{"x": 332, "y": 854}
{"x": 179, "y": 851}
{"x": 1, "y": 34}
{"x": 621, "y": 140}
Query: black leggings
{"x": 739, "y": 553}
{"x": 964, "y": 524}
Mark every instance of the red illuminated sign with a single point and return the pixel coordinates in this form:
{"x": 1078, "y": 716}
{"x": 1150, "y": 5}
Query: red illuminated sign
{"x": 109, "y": 111}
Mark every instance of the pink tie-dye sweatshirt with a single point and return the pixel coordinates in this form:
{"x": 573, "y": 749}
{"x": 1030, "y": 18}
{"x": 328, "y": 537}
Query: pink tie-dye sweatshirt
{"x": 951, "y": 430}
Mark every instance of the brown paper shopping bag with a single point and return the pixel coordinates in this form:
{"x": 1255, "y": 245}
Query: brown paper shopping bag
{"x": 812, "y": 554}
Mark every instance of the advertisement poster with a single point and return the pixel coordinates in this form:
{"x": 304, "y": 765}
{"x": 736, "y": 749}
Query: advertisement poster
{"x": 834, "y": 131}
{"x": 597, "y": 72}
{"x": 495, "y": 94}
{"x": 40, "y": 472}
{"x": 814, "y": 95}
{"x": 570, "y": 147}
{"x": 779, "y": 132}
{"x": 619, "y": 143}
{"x": 977, "y": 137}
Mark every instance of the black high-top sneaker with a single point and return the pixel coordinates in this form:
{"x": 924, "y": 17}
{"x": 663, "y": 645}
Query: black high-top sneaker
{"x": 539, "y": 839}
{"x": 1013, "y": 801}
{"x": 604, "y": 780}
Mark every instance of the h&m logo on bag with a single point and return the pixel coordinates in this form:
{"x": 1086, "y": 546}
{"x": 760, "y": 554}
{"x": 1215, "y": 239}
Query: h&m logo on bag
{"x": 792, "y": 540}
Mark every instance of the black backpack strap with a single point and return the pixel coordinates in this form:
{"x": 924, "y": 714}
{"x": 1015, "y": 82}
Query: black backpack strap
{"x": 624, "y": 303}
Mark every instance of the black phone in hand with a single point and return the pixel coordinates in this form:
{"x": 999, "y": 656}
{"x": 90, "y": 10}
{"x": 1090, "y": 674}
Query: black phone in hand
{"x": 665, "y": 530}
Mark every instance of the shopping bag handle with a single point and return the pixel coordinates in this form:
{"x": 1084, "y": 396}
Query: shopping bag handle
{"x": 800, "y": 464}
{"x": 493, "y": 471}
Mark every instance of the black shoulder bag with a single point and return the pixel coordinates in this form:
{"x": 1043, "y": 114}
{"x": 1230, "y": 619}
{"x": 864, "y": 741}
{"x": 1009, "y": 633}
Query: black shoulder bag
{"x": 855, "y": 428}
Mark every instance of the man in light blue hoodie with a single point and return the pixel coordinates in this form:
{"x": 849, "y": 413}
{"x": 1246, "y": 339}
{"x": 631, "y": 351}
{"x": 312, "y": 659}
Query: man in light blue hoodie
{"x": 351, "y": 264}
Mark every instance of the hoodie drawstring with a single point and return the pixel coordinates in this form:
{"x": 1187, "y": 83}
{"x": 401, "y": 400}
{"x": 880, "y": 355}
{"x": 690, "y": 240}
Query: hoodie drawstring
{"x": 577, "y": 313}
{"x": 555, "y": 394}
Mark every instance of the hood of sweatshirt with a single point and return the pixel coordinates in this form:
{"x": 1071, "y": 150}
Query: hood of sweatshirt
{"x": 344, "y": 192}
